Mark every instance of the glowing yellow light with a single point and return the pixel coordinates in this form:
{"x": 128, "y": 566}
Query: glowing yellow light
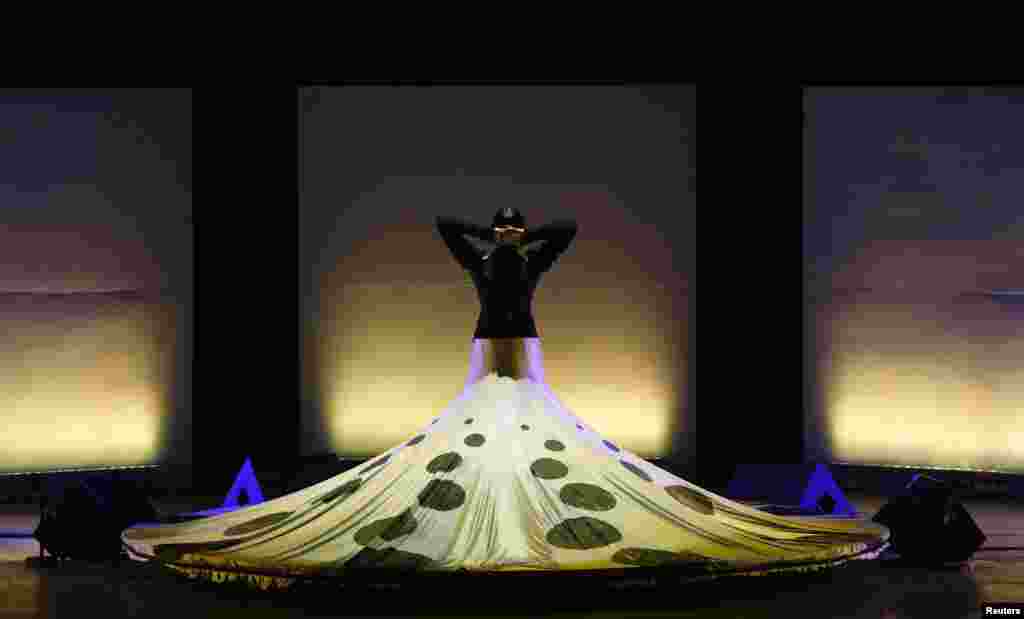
{"x": 922, "y": 384}
{"x": 83, "y": 383}
{"x": 383, "y": 378}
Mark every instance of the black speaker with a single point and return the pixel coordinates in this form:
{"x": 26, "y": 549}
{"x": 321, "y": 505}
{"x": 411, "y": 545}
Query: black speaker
{"x": 929, "y": 525}
{"x": 85, "y": 522}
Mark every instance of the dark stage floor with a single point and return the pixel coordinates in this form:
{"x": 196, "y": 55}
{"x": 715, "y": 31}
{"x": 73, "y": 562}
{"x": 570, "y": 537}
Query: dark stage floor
{"x": 868, "y": 588}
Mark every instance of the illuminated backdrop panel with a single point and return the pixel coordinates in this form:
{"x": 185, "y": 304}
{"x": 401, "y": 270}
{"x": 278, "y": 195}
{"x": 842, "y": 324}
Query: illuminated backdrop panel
{"x": 919, "y": 379}
{"x": 85, "y": 379}
{"x": 912, "y": 212}
{"x": 388, "y": 315}
{"x": 396, "y": 327}
{"x": 95, "y": 278}
{"x": 88, "y": 347}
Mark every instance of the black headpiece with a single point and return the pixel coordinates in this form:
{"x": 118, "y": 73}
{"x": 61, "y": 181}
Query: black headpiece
{"x": 509, "y": 217}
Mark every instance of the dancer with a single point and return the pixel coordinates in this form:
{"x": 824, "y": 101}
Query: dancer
{"x": 506, "y": 263}
{"x": 506, "y": 478}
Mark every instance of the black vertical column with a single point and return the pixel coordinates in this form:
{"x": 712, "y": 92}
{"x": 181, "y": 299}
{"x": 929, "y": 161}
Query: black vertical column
{"x": 246, "y": 236}
{"x": 750, "y": 329}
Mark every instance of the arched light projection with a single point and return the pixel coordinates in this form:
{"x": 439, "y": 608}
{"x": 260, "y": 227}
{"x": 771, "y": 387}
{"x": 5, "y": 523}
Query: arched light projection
{"x": 391, "y": 345}
{"x": 86, "y": 348}
{"x": 920, "y": 357}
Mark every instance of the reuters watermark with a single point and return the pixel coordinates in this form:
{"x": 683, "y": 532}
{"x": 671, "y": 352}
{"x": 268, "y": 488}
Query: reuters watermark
{"x": 1002, "y": 609}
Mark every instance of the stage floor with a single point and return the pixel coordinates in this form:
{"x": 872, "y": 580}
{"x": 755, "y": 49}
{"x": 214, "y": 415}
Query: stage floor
{"x": 873, "y": 588}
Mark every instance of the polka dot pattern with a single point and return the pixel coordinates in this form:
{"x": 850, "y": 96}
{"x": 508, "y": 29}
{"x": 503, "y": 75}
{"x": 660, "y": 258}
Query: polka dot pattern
{"x": 587, "y": 496}
{"x": 583, "y": 534}
{"x": 388, "y": 558}
{"x": 650, "y": 557}
{"x": 475, "y": 440}
{"x": 258, "y": 523}
{"x": 445, "y": 463}
{"x": 442, "y": 495}
{"x": 525, "y": 427}
{"x": 469, "y": 421}
{"x": 696, "y": 501}
{"x": 547, "y": 468}
{"x": 554, "y": 445}
{"x": 345, "y": 490}
{"x": 387, "y": 529}
{"x": 636, "y": 470}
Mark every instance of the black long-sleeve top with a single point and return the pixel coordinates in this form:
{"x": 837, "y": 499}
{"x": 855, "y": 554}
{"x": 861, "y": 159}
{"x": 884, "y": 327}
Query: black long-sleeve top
{"x": 505, "y": 274}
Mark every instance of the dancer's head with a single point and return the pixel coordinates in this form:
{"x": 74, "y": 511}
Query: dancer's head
{"x": 509, "y": 225}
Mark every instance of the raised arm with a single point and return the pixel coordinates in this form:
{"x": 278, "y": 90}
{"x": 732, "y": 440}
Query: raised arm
{"x": 455, "y": 233}
{"x": 545, "y": 244}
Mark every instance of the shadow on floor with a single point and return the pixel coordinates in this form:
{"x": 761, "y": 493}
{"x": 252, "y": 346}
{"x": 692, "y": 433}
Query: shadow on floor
{"x": 856, "y": 589}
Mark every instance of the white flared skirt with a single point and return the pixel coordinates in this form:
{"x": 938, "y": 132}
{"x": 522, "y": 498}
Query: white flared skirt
{"x": 506, "y": 478}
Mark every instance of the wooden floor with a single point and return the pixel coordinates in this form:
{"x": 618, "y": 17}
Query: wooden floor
{"x": 872, "y": 588}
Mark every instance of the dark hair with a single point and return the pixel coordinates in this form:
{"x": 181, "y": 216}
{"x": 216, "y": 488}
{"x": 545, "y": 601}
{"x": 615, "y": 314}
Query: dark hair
{"x": 508, "y": 217}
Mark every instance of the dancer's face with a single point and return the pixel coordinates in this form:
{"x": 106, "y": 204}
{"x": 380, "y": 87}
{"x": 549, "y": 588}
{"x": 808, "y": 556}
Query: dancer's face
{"x": 509, "y": 234}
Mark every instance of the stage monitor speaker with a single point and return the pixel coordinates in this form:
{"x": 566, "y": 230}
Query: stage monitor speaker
{"x": 929, "y": 525}
{"x": 86, "y": 520}
{"x": 789, "y": 489}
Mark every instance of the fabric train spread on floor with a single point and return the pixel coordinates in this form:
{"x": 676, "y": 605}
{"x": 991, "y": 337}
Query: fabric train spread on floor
{"x": 506, "y": 478}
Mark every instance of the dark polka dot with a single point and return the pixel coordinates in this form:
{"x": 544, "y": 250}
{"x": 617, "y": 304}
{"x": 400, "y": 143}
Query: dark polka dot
{"x": 469, "y": 421}
{"x": 376, "y": 463}
{"x": 257, "y": 523}
{"x": 344, "y": 490}
{"x": 387, "y": 529}
{"x": 475, "y": 440}
{"x": 388, "y": 558}
{"x": 442, "y": 495}
{"x": 546, "y": 468}
{"x": 554, "y": 445}
{"x": 587, "y": 496}
{"x": 583, "y": 534}
{"x": 636, "y": 470}
{"x": 175, "y": 552}
{"x": 525, "y": 427}
{"x": 649, "y": 557}
{"x": 579, "y": 426}
{"x": 445, "y": 463}
{"x": 611, "y": 446}
{"x": 435, "y": 421}
{"x": 691, "y": 498}
{"x": 417, "y": 440}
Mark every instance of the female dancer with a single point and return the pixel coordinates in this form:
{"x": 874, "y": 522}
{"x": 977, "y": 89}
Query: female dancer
{"x": 505, "y": 478}
{"x": 506, "y": 263}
